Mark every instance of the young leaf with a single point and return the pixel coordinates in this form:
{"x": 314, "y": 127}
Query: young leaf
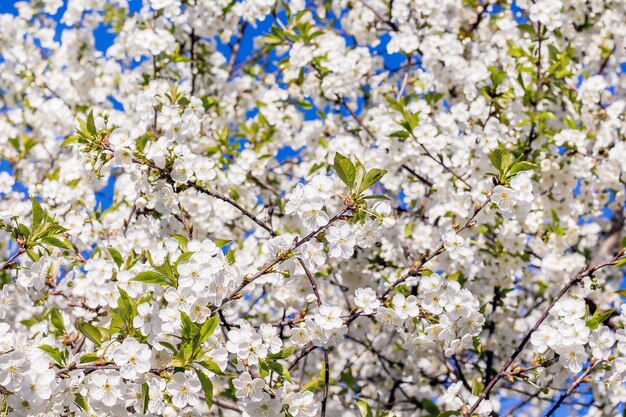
{"x": 57, "y": 320}
{"x": 364, "y": 408}
{"x": 53, "y": 241}
{"x": 359, "y": 174}
{"x": 279, "y": 369}
{"x": 90, "y": 332}
{"x": 70, "y": 140}
{"x": 373, "y": 176}
{"x": 38, "y": 215}
{"x": 80, "y": 401}
{"x": 500, "y": 159}
{"x": 345, "y": 169}
{"x": 117, "y": 257}
{"x": 89, "y": 358}
{"x": 126, "y": 307}
{"x": 497, "y": 76}
{"x": 182, "y": 241}
{"x": 211, "y": 366}
{"x": 91, "y": 124}
{"x": 207, "y": 387}
{"x": 283, "y": 354}
{"x": 145, "y": 397}
{"x": 599, "y": 318}
{"x": 311, "y": 385}
{"x": 168, "y": 346}
{"x": 188, "y": 330}
{"x": 620, "y": 264}
{"x": 520, "y": 166}
{"x": 150, "y": 277}
{"x": 230, "y": 257}
{"x": 207, "y": 329}
{"x": 54, "y": 353}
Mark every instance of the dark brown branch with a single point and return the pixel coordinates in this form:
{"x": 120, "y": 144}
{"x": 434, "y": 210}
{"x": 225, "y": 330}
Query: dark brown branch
{"x": 422, "y": 179}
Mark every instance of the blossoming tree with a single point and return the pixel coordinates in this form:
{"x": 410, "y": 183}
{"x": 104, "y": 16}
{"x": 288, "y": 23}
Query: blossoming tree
{"x": 319, "y": 208}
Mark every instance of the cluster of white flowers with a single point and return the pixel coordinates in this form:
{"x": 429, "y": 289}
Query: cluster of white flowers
{"x": 517, "y": 200}
{"x": 312, "y": 208}
{"x": 454, "y": 312}
{"x": 569, "y": 333}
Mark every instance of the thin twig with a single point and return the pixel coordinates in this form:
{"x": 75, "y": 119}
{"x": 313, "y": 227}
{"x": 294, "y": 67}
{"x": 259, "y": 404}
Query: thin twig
{"x": 214, "y": 194}
{"x": 582, "y": 378}
{"x": 421, "y": 178}
{"x": 9, "y": 262}
{"x": 319, "y": 303}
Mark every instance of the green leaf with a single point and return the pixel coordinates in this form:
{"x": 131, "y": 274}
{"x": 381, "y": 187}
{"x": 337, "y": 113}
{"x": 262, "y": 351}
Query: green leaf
{"x": 168, "y": 346}
{"x": 23, "y": 230}
{"x": 364, "y": 408}
{"x": 188, "y": 328}
{"x": 182, "y": 241}
{"x": 621, "y": 292}
{"x": 497, "y": 76}
{"x": 373, "y": 176}
{"x": 57, "y": 320}
{"x": 207, "y": 387}
{"x": 89, "y": 358}
{"x": 59, "y": 243}
{"x": 527, "y": 28}
{"x": 126, "y": 307}
{"x": 283, "y": 354}
{"x": 402, "y": 134}
{"x": 164, "y": 269}
{"x": 599, "y": 318}
{"x": 151, "y": 277}
{"x": 52, "y": 229}
{"x": 38, "y": 215}
{"x": 376, "y": 197}
{"x": 222, "y": 242}
{"x": 91, "y": 124}
{"x": 431, "y": 408}
{"x": 311, "y": 385}
{"x": 207, "y": 329}
{"x": 54, "y": 353}
{"x": 70, "y": 140}
{"x": 117, "y": 257}
{"x": 230, "y": 256}
{"x": 359, "y": 175}
{"x": 211, "y": 366}
{"x": 520, "y": 166}
{"x": 79, "y": 400}
{"x": 500, "y": 159}
{"x": 90, "y": 332}
{"x": 279, "y": 369}
{"x": 345, "y": 169}
{"x": 145, "y": 397}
